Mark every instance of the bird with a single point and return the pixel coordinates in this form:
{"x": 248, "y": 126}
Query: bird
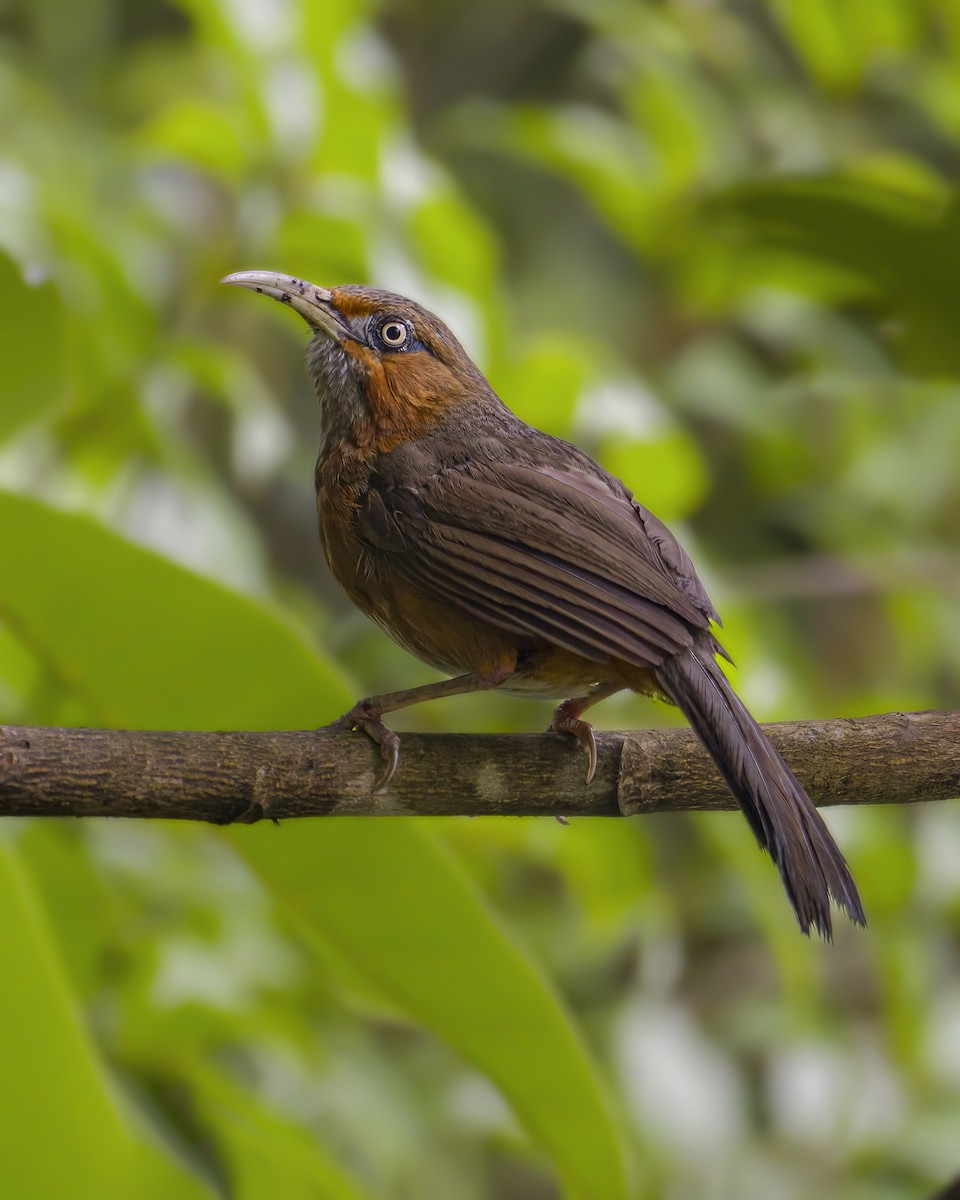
{"x": 508, "y": 559}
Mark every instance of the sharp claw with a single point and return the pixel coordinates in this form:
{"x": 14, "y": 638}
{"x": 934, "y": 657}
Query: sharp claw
{"x": 256, "y": 810}
{"x": 390, "y": 749}
{"x": 582, "y": 732}
{"x": 367, "y": 719}
{"x": 589, "y": 743}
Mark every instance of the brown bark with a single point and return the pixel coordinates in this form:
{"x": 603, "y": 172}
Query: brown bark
{"x": 889, "y": 759}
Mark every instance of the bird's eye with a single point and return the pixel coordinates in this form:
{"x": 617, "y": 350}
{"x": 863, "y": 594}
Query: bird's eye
{"x": 394, "y": 333}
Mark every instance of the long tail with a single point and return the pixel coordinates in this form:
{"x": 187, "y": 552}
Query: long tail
{"x": 780, "y": 813}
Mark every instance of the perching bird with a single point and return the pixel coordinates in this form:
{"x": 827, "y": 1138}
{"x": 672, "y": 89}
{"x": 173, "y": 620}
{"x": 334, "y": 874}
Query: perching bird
{"x": 509, "y": 559}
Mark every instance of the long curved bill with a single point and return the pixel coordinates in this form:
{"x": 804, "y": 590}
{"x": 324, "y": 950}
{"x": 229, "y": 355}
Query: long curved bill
{"x": 315, "y": 304}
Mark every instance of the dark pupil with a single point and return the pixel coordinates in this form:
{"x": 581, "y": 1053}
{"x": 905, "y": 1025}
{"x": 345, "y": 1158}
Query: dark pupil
{"x": 393, "y": 332}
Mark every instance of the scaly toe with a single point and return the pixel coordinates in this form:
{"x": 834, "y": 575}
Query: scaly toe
{"x": 349, "y": 721}
{"x": 365, "y": 716}
{"x": 582, "y": 731}
{"x": 390, "y": 749}
{"x": 256, "y": 810}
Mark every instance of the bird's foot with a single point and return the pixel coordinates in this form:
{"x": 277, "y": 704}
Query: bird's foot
{"x": 565, "y": 720}
{"x": 250, "y": 814}
{"x": 369, "y": 718}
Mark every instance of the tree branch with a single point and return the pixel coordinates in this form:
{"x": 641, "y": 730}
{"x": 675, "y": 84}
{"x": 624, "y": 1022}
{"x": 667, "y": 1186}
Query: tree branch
{"x": 222, "y": 777}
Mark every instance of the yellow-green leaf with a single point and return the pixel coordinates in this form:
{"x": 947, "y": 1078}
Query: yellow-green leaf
{"x": 64, "y": 1128}
{"x": 143, "y": 642}
{"x": 399, "y": 908}
{"x": 31, "y": 348}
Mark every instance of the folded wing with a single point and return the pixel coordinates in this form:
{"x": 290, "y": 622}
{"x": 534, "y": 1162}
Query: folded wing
{"x": 559, "y": 554}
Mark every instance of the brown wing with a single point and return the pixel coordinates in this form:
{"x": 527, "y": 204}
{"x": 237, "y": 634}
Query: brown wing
{"x": 553, "y": 553}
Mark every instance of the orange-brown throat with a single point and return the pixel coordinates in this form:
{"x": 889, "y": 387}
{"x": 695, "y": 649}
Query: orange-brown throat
{"x": 374, "y": 397}
{"x": 407, "y": 395}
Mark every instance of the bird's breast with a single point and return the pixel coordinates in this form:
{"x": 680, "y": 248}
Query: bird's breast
{"x": 424, "y": 624}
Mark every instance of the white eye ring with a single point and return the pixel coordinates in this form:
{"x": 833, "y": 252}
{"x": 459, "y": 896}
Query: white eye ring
{"x": 394, "y": 333}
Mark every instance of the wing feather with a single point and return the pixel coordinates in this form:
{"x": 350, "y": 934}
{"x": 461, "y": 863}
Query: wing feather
{"x": 543, "y": 584}
{"x": 561, "y": 556}
{"x": 498, "y": 607}
{"x": 543, "y": 513}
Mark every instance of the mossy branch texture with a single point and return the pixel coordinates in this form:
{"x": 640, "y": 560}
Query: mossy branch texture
{"x": 894, "y": 758}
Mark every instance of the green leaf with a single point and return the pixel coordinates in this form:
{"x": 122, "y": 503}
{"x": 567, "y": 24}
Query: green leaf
{"x": 31, "y": 350}
{"x": 143, "y": 642}
{"x": 211, "y": 136}
{"x": 397, "y": 906}
{"x": 268, "y": 1156}
{"x": 816, "y": 29}
{"x": 146, "y": 642}
{"x": 840, "y": 43}
{"x": 453, "y": 243}
{"x": 63, "y": 1128}
{"x": 670, "y": 465}
{"x": 904, "y": 246}
{"x": 543, "y": 386}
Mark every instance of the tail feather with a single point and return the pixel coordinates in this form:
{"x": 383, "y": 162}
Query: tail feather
{"x": 780, "y": 813}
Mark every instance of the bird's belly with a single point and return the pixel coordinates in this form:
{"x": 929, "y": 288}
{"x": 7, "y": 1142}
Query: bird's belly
{"x": 533, "y": 687}
{"x": 450, "y": 639}
{"x": 427, "y": 626}
{"x": 547, "y": 672}
{"x": 453, "y": 642}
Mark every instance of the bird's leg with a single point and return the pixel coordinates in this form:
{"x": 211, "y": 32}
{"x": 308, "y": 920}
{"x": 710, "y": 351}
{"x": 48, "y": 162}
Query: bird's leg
{"x": 368, "y": 714}
{"x": 566, "y": 719}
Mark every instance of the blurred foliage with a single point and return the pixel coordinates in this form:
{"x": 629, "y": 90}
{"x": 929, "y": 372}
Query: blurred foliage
{"x": 714, "y": 243}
